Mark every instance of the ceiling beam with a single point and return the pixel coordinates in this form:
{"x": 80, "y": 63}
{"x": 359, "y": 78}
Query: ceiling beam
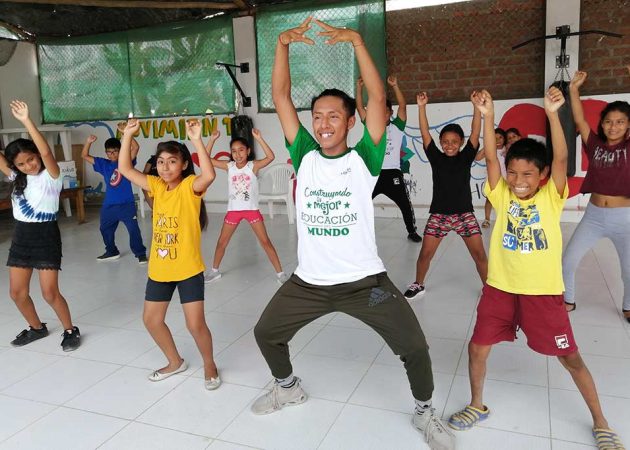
{"x": 241, "y": 4}
{"x": 132, "y": 4}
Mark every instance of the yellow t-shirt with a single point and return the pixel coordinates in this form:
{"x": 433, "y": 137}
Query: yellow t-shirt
{"x": 526, "y": 244}
{"x": 176, "y": 243}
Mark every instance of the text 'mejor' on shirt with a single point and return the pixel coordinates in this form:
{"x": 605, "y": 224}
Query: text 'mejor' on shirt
{"x": 526, "y": 243}
{"x": 451, "y": 179}
{"x": 335, "y": 213}
{"x": 176, "y": 241}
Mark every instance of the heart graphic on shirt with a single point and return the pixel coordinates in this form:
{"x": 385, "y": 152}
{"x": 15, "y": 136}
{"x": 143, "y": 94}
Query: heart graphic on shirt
{"x": 162, "y": 252}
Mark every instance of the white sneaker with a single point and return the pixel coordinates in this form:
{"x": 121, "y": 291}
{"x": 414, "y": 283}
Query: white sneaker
{"x": 213, "y": 275}
{"x": 282, "y": 277}
{"x": 436, "y": 434}
{"x": 279, "y": 397}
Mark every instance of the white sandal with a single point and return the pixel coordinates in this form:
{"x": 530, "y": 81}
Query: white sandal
{"x": 213, "y": 383}
{"x": 159, "y": 376}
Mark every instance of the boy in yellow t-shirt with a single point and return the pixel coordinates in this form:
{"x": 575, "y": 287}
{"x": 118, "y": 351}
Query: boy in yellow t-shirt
{"x": 524, "y": 286}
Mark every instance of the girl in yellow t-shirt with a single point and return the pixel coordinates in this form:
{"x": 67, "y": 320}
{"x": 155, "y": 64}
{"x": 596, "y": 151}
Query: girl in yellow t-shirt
{"x": 175, "y": 260}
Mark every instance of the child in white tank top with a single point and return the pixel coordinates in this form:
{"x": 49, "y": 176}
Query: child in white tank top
{"x": 243, "y": 199}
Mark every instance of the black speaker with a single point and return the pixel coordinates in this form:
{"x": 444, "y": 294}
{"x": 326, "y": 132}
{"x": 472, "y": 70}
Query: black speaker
{"x": 568, "y": 126}
{"x": 241, "y": 127}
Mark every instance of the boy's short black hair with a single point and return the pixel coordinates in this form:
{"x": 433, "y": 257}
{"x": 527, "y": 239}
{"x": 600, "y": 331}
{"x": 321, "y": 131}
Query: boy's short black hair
{"x": 349, "y": 103}
{"x": 620, "y": 106}
{"x": 530, "y": 150}
{"x": 452, "y": 128}
{"x": 112, "y": 143}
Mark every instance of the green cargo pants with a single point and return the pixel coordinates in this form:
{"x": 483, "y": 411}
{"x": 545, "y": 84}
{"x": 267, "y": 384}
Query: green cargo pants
{"x": 374, "y": 300}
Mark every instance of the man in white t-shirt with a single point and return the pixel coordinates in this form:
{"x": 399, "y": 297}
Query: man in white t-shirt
{"x": 338, "y": 265}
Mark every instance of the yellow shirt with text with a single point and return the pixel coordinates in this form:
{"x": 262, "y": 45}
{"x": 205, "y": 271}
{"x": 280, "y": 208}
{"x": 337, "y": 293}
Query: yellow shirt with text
{"x": 176, "y": 243}
{"x": 526, "y": 244}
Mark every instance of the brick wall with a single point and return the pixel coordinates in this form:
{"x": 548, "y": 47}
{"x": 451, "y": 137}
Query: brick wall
{"x": 604, "y": 58}
{"x": 449, "y": 50}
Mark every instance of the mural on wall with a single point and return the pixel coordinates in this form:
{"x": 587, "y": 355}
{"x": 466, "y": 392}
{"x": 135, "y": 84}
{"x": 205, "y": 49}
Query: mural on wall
{"x": 527, "y": 115}
{"x": 157, "y": 130}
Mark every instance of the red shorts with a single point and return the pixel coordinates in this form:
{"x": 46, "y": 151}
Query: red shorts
{"x": 543, "y": 318}
{"x": 439, "y": 225}
{"x": 251, "y": 215}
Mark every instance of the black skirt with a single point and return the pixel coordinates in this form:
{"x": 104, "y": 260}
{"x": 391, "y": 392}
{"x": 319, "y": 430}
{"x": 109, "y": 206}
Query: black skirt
{"x": 36, "y": 245}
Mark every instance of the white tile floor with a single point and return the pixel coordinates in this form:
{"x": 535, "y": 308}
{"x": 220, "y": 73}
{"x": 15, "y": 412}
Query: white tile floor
{"x": 98, "y": 396}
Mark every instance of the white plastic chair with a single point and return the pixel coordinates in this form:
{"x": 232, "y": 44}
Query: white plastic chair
{"x": 276, "y": 184}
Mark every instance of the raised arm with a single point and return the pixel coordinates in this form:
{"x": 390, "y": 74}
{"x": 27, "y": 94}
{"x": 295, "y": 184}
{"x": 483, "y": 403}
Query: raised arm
{"x": 269, "y": 156}
{"x": 553, "y": 101}
{"x": 125, "y": 166}
{"x": 481, "y": 154}
{"x": 422, "y": 100}
{"x": 207, "y": 175}
{"x": 4, "y": 166}
{"x": 20, "y": 112}
{"x": 475, "y": 128}
{"x": 484, "y": 105}
{"x": 375, "y": 114}
{"x": 85, "y": 152}
{"x": 576, "y": 105}
{"x": 281, "y": 79}
{"x": 360, "y": 106}
{"x": 218, "y": 164}
{"x": 392, "y": 80}
{"x": 135, "y": 147}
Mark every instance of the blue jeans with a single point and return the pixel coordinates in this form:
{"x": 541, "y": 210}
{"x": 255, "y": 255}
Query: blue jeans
{"x": 598, "y": 223}
{"x": 111, "y": 215}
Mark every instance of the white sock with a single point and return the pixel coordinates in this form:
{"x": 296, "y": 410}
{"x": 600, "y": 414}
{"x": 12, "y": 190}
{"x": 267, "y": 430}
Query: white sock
{"x": 287, "y": 382}
{"x": 422, "y": 407}
{"x": 215, "y": 270}
{"x": 279, "y": 274}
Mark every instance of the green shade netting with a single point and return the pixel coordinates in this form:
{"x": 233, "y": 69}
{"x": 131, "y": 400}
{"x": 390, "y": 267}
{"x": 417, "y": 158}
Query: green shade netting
{"x": 161, "y": 71}
{"x": 318, "y": 67}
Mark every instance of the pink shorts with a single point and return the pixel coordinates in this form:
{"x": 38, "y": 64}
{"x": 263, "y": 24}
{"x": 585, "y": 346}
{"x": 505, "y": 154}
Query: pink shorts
{"x": 251, "y": 215}
{"x": 439, "y": 225}
{"x": 543, "y": 318}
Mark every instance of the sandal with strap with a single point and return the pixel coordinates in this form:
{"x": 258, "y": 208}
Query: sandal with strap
{"x": 626, "y": 314}
{"x": 571, "y": 306}
{"x": 485, "y": 224}
{"x": 468, "y": 418}
{"x": 607, "y": 439}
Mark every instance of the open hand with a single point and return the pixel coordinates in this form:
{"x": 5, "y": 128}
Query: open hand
{"x": 19, "y": 109}
{"x": 553, "y": 100}
{"x": 297, "y": 34}
{"x": 336, "y": 35}
{"x": 215, "y": 135}
{"x": 257, "y": 134}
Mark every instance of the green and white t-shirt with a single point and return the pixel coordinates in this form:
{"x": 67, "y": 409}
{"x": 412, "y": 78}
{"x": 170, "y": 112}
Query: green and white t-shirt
{"x": 335, "y": 213}
{"x": 395, "y": 134}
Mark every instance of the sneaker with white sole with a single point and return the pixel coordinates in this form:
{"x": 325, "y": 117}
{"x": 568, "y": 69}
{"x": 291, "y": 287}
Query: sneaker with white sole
{"x": 279, "y": 397}
{"x": 213, "y": 275}
{"x": 414, "y": 291}
{"x": 107, "y": 256}
{"x": 436, "y": 434}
